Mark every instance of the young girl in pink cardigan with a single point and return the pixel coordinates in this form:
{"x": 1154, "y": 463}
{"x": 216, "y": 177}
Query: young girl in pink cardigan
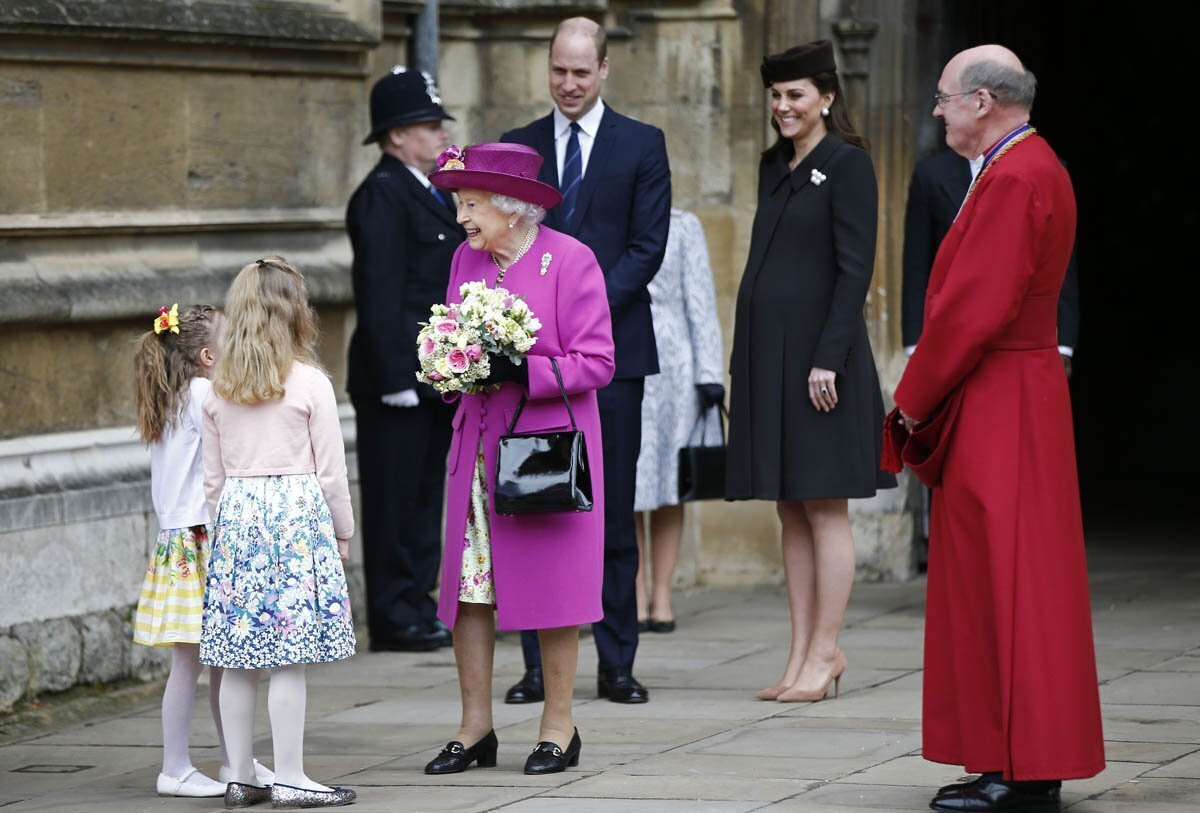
{"x": 275, "y": 478}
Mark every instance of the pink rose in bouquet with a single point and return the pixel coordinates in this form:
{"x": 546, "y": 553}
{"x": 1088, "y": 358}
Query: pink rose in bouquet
{"x": 458, "y": 361}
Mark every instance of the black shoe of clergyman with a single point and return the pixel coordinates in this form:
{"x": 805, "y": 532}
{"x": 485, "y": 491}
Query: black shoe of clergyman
{"x": 620, "y": 686}
{"x": 529, "y": 689}
{"x": 957, "y": 786}
{"x": 988, "y": 795}
{"x": 547, "y": 757}
{"x": 413, "y": 638}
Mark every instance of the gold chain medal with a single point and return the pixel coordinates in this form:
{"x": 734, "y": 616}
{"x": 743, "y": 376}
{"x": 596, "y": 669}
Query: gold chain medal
{"x": 995, "y": 153}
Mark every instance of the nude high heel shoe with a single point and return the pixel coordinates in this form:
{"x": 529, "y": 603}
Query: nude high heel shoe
{"x": 835, "y": 677}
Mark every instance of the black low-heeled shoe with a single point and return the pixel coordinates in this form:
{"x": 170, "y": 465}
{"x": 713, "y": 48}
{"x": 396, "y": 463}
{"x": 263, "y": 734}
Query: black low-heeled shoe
{"x": 662, "y": 626}
{"x": 547, "y": 757}
{"x": 456, "y": 758}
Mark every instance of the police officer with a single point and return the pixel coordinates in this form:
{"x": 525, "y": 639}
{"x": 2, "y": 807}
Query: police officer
{"x": 404, "y": 234}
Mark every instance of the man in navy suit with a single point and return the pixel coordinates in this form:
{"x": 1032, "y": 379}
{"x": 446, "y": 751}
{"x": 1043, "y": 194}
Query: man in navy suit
{"x": 616, "y": 186}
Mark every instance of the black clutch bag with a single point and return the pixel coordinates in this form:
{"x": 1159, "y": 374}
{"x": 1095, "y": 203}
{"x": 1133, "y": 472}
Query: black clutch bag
{"x": 542, "y": 473}
{"x": 702, "y": 468}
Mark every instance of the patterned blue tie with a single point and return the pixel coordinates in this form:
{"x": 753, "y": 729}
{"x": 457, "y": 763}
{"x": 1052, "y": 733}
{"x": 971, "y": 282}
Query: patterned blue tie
{"x": 572, "y": 174}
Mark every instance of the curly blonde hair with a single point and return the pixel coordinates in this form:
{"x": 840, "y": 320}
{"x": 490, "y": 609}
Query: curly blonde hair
{"x": 268, "y": 326}
{"x": 164, "y": 363}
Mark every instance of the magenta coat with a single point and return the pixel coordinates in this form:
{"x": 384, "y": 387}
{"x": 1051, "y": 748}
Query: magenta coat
{"x": 546, "y": 568}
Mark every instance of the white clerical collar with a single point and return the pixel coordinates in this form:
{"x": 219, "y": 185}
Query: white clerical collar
{"x": 589, "y": 122}
{"x": 976, "y": 165}
{"x": 419, "y": 175}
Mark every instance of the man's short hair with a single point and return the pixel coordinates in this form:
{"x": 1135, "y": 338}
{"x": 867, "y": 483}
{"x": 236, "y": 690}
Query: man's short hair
{"x": 574, "y": 25}
{"x": 1010, "y": 86}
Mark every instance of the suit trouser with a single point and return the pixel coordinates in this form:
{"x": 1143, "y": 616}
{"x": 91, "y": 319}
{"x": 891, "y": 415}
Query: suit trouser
{"x": 621, "y": 426}
{"x": 402, "y": 474}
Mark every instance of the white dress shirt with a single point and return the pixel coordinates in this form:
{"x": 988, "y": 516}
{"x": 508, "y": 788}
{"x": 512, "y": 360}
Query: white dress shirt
{"x": 589, "y": 125}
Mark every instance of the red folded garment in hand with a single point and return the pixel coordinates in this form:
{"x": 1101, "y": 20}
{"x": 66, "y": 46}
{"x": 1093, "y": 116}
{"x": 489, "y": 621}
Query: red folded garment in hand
{"x": 924, "y": 448}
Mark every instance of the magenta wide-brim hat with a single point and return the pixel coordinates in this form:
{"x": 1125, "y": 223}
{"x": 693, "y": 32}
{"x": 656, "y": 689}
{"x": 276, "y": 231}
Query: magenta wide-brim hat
{"x": 506, "y": 169}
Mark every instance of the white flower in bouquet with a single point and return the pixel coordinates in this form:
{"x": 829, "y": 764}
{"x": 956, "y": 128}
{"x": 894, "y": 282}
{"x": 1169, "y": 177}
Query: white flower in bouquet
{"x": 455, "y": 345}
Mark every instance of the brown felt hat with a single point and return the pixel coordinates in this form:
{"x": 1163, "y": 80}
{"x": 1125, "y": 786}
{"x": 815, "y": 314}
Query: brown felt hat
{"x": 799, "y": 62}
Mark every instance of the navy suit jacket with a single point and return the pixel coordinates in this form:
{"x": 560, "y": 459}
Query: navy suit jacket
{"x": 622, "y": 214}
{"x": 939, "y": 184}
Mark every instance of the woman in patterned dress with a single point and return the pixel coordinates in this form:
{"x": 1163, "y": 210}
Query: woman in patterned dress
{"x": 534, "y": 571}
{"x": 275, "y": 476}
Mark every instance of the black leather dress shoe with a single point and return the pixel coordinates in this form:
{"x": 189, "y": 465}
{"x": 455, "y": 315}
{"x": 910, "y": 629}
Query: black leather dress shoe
{"x": 529, "y": 689}
{"x": 454, "y": 758}
{"x": 440, "y": 629}
{"x": 984, "y": 777}
{"x": 988, "y": 795}
{"x": 620, "y": 686}
{"x": 549, "y": 758}
{"x": 413, "y": 638}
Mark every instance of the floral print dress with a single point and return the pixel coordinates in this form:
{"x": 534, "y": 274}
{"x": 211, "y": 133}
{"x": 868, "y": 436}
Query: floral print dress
{"x": 475, "y": 583}
{"x": 276, "y": 592}
{"x": 172, "y": 597}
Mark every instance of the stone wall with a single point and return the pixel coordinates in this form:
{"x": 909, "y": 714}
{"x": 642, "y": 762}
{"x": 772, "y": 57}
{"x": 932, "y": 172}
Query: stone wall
{"x": 149, "y": 148}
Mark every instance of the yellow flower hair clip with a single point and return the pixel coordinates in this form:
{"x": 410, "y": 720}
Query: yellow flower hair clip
{"x": 167, "y": 319}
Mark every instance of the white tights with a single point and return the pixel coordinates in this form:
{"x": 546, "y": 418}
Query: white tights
{"x": 286, "y": 699}
{"x": 178, "y": 697}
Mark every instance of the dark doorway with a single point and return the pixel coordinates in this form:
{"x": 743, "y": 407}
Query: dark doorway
{"x": 1114, "y": 93}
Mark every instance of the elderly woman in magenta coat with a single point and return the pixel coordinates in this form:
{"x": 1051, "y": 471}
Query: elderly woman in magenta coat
{"x": 540, "y": 571}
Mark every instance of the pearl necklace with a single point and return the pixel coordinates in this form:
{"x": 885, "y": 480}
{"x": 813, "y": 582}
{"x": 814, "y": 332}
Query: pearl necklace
{"x": 525, "y": 244}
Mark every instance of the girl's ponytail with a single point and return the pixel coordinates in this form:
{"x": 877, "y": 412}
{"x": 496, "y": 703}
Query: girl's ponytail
{"x": 164, "y": 361}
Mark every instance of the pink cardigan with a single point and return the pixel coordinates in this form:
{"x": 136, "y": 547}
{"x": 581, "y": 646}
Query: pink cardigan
{"x": 298, "y": 434}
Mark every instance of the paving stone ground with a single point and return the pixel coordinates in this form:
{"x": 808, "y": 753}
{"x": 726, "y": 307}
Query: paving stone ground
{"x": 703, "y": 743}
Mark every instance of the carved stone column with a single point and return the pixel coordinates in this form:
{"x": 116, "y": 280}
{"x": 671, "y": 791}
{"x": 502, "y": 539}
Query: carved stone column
{"x": 854, "y": 36}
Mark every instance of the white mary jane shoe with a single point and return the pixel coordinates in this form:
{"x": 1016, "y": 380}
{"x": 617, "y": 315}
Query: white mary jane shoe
{"x": 262, "y": 773}
{"x": 193, "y": 784}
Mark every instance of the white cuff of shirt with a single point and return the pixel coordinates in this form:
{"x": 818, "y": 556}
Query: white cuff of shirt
{"x": 910, "y": 349}
{"x": 1063, "y": 350}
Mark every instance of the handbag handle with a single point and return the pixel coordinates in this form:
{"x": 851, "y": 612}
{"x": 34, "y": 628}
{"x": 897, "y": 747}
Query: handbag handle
{"x": 562, "y": 389}
{"x": 720, "y": 407}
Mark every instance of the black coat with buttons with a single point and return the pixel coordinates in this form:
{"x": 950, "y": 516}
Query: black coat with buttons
{"x": 799, "y": 306}
{"x": 403, "y": 240}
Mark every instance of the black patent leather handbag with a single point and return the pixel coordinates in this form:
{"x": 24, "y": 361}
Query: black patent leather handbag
{"x": 542, "y": 473}
{"x": 702, "y": 467}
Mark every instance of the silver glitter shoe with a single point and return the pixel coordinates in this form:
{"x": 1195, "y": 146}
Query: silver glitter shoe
{"x": 290, "y": 796}
{"x": 239, "y": 795}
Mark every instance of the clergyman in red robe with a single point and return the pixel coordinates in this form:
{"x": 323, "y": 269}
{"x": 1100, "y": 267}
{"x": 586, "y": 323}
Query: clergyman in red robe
{"x": 1010, "y": 688}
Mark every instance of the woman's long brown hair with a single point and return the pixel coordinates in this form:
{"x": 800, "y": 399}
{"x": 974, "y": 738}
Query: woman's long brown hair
{"x": 164, "y": 363}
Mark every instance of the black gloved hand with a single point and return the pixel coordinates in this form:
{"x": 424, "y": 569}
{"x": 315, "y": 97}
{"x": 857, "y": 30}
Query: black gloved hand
{"x": 710, "y": 395}
{"x": 504, "y": 370}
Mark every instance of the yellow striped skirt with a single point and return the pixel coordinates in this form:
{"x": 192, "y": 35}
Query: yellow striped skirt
{"x": 172, "y": 600}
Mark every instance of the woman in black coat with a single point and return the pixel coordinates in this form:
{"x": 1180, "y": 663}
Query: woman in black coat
{"x": 806, "y": 414}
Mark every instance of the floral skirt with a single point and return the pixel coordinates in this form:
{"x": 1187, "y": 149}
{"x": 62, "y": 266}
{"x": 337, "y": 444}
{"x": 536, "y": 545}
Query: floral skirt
{"x": 276, "y": 592}
{"x": 475, "y": 583}
{"x": 172, "y": 599}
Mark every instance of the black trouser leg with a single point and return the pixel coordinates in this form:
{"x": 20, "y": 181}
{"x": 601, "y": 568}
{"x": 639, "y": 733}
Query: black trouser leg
{"x": 621, "y": 424}
{"x": 402, "y": 473}
{"x": 617, "y": 633}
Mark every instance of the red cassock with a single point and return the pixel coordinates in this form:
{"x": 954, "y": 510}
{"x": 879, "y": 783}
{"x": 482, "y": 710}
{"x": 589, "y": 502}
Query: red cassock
{"x": 1010, "y": 670}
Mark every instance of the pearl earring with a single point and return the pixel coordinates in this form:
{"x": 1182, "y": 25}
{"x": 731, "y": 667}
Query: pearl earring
{"x": 510, "y": 225}
{"x": 824, "y": 111}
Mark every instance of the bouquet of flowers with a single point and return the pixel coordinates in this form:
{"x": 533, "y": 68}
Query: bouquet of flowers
{"x": 454, "y": 346}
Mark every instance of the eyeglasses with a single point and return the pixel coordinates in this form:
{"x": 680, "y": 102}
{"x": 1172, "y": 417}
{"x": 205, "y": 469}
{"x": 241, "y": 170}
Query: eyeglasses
{"x": 940, "y": 99}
